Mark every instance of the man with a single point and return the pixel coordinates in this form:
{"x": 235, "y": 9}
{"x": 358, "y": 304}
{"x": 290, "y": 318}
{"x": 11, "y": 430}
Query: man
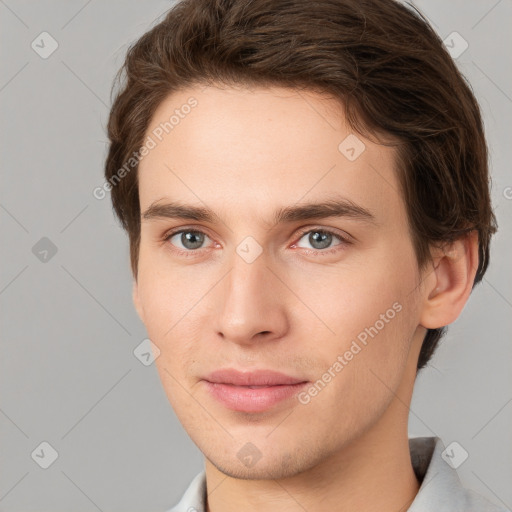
{"x": 305, "y": 188}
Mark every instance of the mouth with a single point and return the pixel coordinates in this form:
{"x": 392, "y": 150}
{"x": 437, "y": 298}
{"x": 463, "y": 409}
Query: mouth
{"x": 252, "y": 392}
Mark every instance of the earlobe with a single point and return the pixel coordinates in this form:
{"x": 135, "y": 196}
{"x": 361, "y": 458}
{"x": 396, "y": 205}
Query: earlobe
{"x": 136, "y": 301}
{"x": 454, "y": 273}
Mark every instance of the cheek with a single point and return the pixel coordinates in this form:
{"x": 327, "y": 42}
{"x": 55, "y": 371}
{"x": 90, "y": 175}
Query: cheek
{"x": 167, "y": 318}
{"x": 348, "y": 298}
{"x": 166, "y": 292}
{"x": 160, "y": 304}
{"x": 366, "y": 357}
{"x": 170, "y": 298}
{"x": 365, "y": 310}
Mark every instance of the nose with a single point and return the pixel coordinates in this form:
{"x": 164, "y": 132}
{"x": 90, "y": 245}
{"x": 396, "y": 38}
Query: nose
{"x": 251, "y": 303}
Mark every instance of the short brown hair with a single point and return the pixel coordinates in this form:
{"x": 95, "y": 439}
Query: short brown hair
{"x": 384, "y": 63}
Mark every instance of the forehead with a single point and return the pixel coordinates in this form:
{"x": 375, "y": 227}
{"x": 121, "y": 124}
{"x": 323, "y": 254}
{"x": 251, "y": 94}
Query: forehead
{"x": 249, "y": 149}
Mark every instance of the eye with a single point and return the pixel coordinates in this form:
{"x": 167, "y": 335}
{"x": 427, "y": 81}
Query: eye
{"x": 188, "y": 242}
{"x": 189, "y": 239}
{"x": 321, "y": 239}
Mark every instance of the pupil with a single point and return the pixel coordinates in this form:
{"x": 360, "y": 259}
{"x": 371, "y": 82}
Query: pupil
{"x": 325, "y": 239}
{"x": 191, "y": 239}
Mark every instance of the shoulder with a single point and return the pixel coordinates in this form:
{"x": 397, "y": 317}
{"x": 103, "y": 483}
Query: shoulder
{"x": 441, "y": 488}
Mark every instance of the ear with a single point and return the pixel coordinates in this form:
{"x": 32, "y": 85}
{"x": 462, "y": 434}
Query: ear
{"x": 136, "y": 301}
{"x": 450, "y": 282}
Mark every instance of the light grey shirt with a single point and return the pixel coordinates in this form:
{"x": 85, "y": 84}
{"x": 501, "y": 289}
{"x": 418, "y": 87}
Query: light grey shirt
{"x": 440, "y": 491}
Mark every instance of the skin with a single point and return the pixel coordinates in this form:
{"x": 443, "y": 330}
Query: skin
{"x": 244, "y": 154}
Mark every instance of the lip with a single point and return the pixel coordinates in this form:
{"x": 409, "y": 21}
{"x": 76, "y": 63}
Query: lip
{"x": 254, "y": 378}
{"x": 231, "y": 388}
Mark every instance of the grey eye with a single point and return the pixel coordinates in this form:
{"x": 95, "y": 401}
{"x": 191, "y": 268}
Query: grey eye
{"x": 189, "y": 239}
{"x": 319, "y": 239}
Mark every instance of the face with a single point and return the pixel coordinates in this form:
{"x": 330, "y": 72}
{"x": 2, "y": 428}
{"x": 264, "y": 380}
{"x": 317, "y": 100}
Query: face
{"x": 325, "y": 296}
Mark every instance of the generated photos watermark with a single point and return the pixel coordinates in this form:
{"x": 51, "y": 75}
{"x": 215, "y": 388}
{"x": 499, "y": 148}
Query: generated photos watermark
{"x": 152, "y": 140}
{"x": 342, "y": 361}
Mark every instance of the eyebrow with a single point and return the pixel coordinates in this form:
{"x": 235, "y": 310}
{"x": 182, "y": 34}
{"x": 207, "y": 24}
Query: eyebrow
{"x": 341, "y": 207}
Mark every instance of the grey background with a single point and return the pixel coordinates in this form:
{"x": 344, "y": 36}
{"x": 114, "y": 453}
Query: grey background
{"x": 68, "y": 373}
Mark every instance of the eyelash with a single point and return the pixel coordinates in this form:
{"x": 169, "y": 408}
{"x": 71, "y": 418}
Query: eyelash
{"x": 193, "y": 252}
{"x": 335, "y": 249}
